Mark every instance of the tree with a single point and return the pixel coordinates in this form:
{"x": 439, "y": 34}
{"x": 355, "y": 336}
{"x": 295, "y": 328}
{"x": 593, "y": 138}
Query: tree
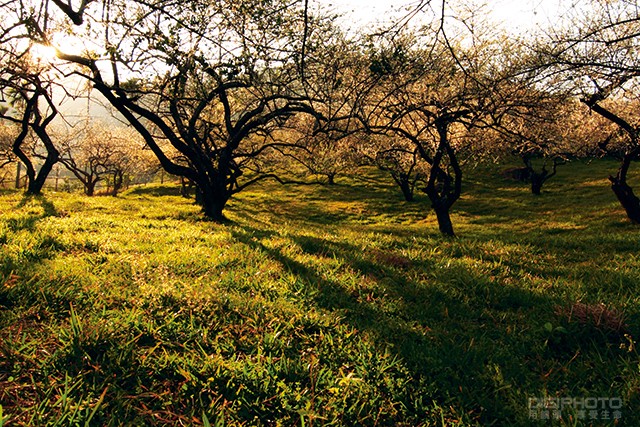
{"x": 28, "y": 92}
{"x": 26, "y": 81}
{"x": 33, "y": 120}
{"x": 623, "y": 191}
{"x": 216, "y": 80}
{"x": 96, "y": 152}
{"x": 431, "y": 90}
{"x": 398, "y": 157}
{"x": 323, "y": 154}
{"x": 596, "y": 56}
{"x": 545, "y": 130}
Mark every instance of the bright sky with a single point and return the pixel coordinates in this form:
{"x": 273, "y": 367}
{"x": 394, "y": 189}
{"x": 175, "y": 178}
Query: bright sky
{"x": 524, "y": 14}
{"x": 517, "y": 15}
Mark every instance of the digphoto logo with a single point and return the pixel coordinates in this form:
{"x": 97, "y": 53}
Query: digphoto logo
{"x": 581, "y": 408}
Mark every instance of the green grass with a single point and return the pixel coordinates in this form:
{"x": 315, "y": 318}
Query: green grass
{"x": 332, "y": 305}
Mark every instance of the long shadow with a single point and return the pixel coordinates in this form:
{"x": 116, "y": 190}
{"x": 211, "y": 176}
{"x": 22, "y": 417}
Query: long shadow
{"x": 48, "y": 206}
{"x": 28, "y": 222}
{"x": 478, "y": 337}
{"x": 370, "y": 198}
{"x": 354, "y": 202}
{"x": 425, "y": 326}
{"x": 10, "y": 265}
{"x": 474, "y": 335}
{"x": 155, "y": 190}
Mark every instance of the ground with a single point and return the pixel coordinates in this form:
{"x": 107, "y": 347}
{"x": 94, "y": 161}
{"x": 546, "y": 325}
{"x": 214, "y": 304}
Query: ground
{"x": 325, "y": 305}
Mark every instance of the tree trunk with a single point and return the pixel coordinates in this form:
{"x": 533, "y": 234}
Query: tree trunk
{"x": 30, "y": 172}
{"x": 36, "y": 179}
{"x": 407, "y": 191}
{"x": 444, "y": 218}
{"x": 537, "y": 180}
{"x": 442, "y": 188}
{"x": 185, "y": 186}
{"x": 118, "y": 179}
{"x": 212, "y": 202}
{"x": 38, "y": 182}
{"x": 623, "y": 191}
{"x": 331, "y": 179}
{"x": 35, "y": 186}
{"x": 89, "y": 188}
{"x": 627, "y": 198}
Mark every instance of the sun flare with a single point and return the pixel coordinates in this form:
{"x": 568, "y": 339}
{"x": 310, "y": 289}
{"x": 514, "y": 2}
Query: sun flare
{"x": 42, "y": 53}
{"x": 58, "y": 43}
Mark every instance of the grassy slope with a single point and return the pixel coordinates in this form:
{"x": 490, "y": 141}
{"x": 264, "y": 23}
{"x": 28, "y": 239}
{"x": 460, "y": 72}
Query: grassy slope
{"x": 318, "y": 306}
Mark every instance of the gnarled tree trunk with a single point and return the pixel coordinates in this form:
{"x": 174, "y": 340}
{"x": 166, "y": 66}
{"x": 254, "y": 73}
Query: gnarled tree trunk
{"x": 32, "y": 119}
{"x": 442, "y": 188}
{"x": 37, "y": 183}
{"x": 629, "y": 201}
{"x": 443, "y": 216}
{"x": 539, "y": 178}
{"x": 407, "y": 190}
{"x": 213, "y": 200}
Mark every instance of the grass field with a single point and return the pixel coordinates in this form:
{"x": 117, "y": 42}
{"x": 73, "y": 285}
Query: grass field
{"x": 328, "y": 305}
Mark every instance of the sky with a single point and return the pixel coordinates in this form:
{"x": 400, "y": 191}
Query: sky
{"x": 516, "y": 15}
{"x": 525, "y": 14}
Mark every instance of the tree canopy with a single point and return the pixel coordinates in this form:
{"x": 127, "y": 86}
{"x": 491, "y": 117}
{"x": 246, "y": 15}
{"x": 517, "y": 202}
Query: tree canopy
{"x": 225, "y": 93}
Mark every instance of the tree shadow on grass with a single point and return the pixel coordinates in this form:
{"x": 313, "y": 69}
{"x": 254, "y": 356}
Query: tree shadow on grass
{"x": 155, "y": 190}
{"x": 21, "y": 260}
{"x": 358, "y": 202}
{"x": 28, "y": 221}
{"x": 484, "y": 343}
{"x": 47, "y": 205}
{"x": 445, "y": 339}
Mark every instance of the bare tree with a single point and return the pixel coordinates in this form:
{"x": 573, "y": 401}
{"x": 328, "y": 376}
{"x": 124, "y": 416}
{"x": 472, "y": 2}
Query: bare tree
{"x": 95, "y": 152}
{"x": 322, "y": 155}
{"x": 596, "y": 56}
{"x": 432, "y": 90}
{"x": 28, "y": 93}
{"x": 398, "y": 157}
{"x": 215, "y": 80}
{"x": 26, "y": 82}
{"x": 545, "y": 130}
